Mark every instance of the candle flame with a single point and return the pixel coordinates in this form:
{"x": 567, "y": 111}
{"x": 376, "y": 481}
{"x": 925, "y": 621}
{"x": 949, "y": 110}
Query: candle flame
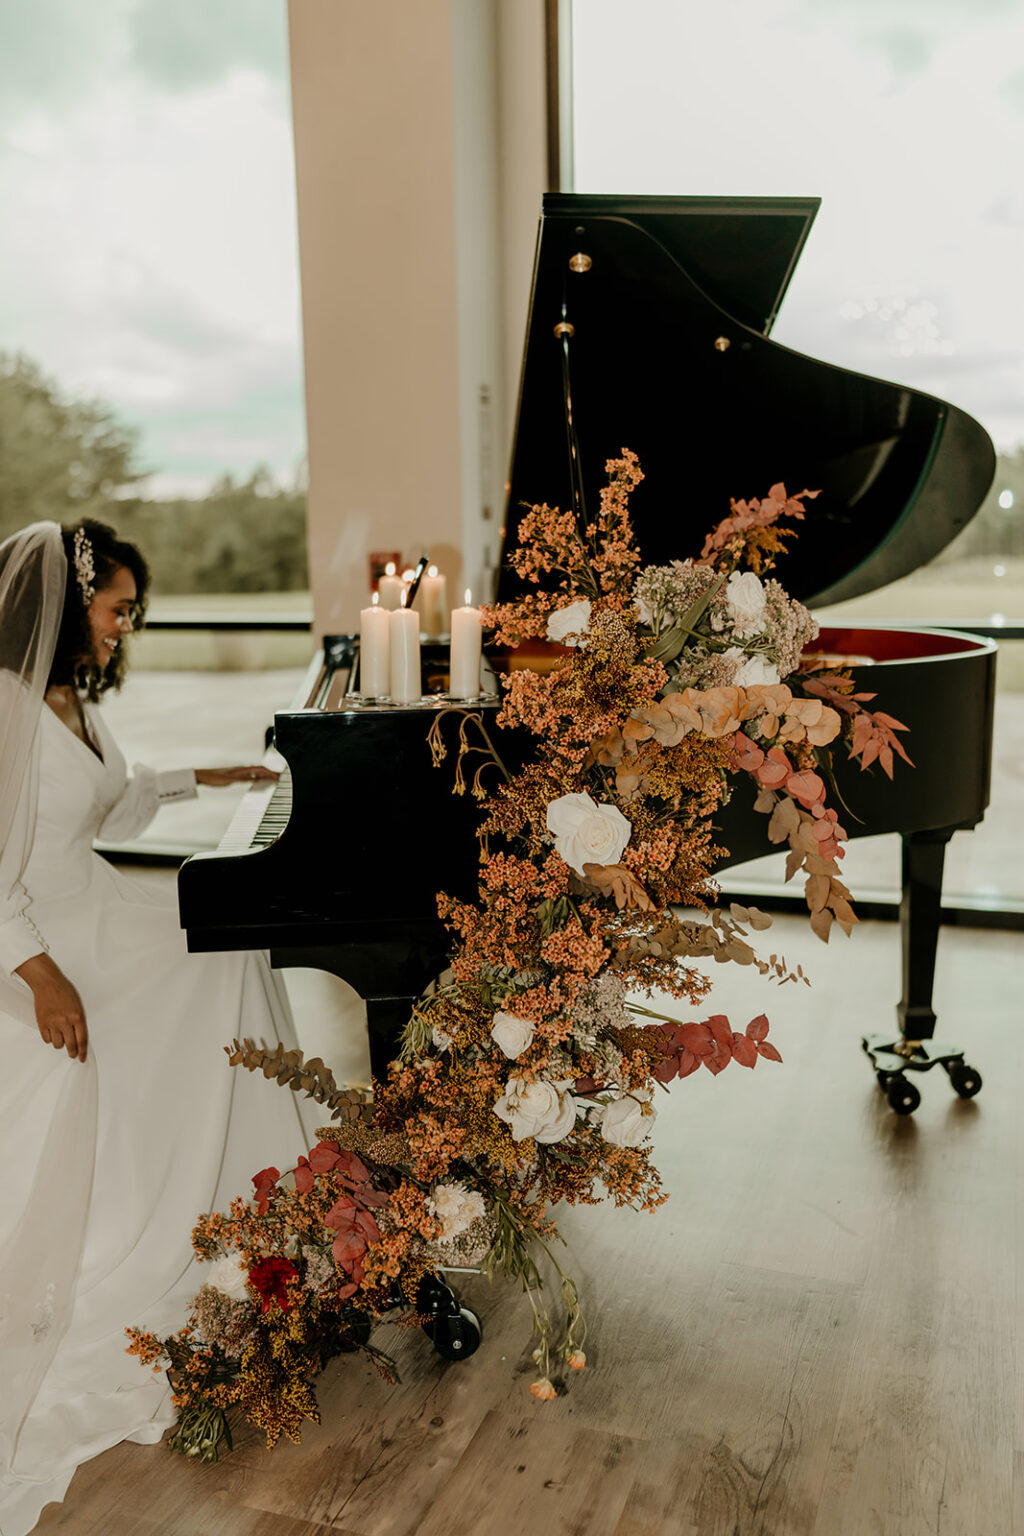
{"x": 389, "y": 569}
{"x": 373, "y": 600}
{"x": 469, "y": 597}
{"x": 431, "y": 570}
{"x": 408, "y": 575}
{"x": 403, "y": 597}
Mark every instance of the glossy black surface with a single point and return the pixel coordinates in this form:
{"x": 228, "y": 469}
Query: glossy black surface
{"x": 900, "y": 472}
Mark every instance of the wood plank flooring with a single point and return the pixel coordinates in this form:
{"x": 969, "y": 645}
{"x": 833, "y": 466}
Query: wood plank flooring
{"x": 816, "y": 1336}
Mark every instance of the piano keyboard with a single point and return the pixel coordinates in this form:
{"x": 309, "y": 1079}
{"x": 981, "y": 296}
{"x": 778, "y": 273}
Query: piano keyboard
{"x": 261, "y": 817}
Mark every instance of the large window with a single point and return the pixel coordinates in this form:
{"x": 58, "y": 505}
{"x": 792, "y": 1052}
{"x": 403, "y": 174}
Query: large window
{"x": 149, "y": 305}
{"x": 909, "y": 124}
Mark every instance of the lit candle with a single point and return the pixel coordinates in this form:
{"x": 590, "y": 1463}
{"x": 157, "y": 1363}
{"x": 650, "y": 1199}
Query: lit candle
{"x": 374, "y": 652}
{"x": 432, "y": 602}
{"x": 406, "y": 685}
{"x": 464, "y": 667}
{"x": 390, "y": 588}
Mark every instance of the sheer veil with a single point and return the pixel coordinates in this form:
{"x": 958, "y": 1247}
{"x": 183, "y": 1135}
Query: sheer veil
{"x": 33, "y": 572}
{"x": 41, "y": 1236}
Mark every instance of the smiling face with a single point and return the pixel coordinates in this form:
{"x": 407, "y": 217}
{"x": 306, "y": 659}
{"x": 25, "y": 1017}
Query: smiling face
{"x": 110, "y": 615}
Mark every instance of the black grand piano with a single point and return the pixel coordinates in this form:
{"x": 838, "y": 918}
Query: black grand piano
{"x": 648, "y": 328}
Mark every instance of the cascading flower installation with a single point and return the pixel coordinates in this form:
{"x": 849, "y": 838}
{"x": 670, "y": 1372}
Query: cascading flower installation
{"x": 531, "y": 1072}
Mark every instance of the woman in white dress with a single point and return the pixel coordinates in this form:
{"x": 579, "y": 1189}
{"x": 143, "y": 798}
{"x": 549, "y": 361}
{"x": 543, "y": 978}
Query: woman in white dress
{"x": 112, "y": 1143}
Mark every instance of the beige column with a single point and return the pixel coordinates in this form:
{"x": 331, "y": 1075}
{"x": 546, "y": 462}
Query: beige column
{"x": 420, "y": 155}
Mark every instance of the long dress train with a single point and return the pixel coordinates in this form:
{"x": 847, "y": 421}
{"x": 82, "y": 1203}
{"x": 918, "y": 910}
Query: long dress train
{"x": 105, "y": 1166}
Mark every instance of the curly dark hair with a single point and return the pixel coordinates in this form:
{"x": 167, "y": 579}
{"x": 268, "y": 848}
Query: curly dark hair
{"x": 73, "y": 660}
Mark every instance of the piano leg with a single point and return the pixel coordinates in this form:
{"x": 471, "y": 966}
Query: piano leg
{"x": 920, "y": 910}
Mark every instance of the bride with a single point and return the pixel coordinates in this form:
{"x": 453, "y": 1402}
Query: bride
{"x": 120, "y": 1120}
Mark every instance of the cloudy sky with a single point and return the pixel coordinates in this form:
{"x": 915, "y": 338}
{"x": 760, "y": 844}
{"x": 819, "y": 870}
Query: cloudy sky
{"x": 905, "y": 116}
{"x": 147, "y": 243}
{"x": 147, "y": 239}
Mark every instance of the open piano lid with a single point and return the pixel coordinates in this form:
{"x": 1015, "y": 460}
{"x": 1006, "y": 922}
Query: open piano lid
{"x": 670, "y": 357}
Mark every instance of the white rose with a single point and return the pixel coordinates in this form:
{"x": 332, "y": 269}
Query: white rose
{"x": 587, "y": 833}
{"x": 511, "y": 1034}
{"x": 228, "y": 1275}
{"x": 745, "y": 600}
{"x": 627, "y": 1121}
{"x": 752, "y": 671}
{"x": 542, "y": 1110}
{"x": 456, "y": 1208}
{"x": 568, "y": 625}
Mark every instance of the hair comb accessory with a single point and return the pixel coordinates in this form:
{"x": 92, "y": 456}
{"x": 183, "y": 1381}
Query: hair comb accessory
{"x": 85, "y": 571}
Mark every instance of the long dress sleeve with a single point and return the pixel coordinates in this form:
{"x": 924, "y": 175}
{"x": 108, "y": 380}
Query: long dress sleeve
{"x": 144, "y": 793}
{"x": 19, "y": 937}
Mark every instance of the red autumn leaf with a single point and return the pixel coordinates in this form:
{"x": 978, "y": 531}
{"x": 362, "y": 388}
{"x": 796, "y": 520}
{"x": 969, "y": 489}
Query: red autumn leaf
{"x": 323, "y": 1157}
{"x": 697, "y": 1038}
{"x": 721, "y": 1029}
{"x": 305, "y": 1178}
{"x": 688, "y": 1063}
{"x": 775, "y": 769}
{"x": 586, "y": 1085}
{"x": 806, "y": 787}
{"x": 666, "y": 1068}
{"x": 264, "y": 1184}
{"x": 758, "y": 1028}
{"x": 719, "y": 1058}
{"x": 345, "y": 1291}
{"x": 368, "y": 1227}
{"x": 340, "y": 1213}
{"x": 374, "y": 1198}
{"x": 768, "y": 1051}
{"x": 744, "y": 1051}
{"x": 749, "y": 756}
{"x": 346, "y": 1247}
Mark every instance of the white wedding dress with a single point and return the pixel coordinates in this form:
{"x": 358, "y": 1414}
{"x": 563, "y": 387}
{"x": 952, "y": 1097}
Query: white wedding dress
{"x": 105, "y": 1166}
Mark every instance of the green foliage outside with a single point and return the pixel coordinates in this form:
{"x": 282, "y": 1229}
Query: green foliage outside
{"x": 64, "y": 459}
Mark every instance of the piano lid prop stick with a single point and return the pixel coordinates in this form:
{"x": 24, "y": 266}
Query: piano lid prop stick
{"x": 464, "y": 669}
{"x": 390, "y": 588}
{"x": 406, "y": 684}
{"x": 414, "y": 580}
{"x": 374, "y": 652}
{"x": 433, "y": 603}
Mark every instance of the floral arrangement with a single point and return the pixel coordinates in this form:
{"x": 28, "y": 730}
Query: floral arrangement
{"x": 529, "y": 1075}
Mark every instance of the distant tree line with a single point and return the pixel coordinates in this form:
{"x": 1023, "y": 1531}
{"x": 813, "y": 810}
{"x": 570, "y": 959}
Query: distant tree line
{"x": 63, "y": 459}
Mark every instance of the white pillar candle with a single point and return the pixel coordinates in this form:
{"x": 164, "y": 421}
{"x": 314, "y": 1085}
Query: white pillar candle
{"x": 464, "y": 666}
{"x": 374, "y": 652}
{"x": 390, "y": 588}
{"x": 432, "y": 602}
{"x": 406, "y": 685}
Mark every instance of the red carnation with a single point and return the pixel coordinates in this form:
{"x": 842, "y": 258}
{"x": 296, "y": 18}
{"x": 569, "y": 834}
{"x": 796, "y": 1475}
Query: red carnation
{"x": 269, "y": 1278}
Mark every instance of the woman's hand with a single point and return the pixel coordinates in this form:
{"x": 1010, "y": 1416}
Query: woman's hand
{"x": 218, "y": 778}
{"x": 60, "y": 1016}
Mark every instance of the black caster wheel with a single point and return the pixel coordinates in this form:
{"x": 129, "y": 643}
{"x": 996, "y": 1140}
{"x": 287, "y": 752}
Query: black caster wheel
{"x": 455, "y": 1335}
{"x": 902, "y": 1095}
{"x": 966, "y": 1080}
{"x": 884, "y": 1079}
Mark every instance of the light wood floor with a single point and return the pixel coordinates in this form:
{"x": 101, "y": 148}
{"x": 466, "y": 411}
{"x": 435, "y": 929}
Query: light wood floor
{"x": 817, "y": 1335}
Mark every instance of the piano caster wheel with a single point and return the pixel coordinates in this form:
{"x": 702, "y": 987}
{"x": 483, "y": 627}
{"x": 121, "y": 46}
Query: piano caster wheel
{"x": 455, "y": 1335}
{"x": 902, "y": 1095}
{"x": 454, "y": 1331}
{"x": 966, "y": 1080}
{"x": 884, "y": 1079}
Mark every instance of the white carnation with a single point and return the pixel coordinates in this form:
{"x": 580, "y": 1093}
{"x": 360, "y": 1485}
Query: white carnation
{"x": 229, "y": 1276}
{"x": 745, "y": 599}
{"x": 751, "y": 671}
{"x": 513, "y": 1035}
{"x": 541, "y": 1109}
{"x": 569, "y": 625}
{"x": 587, "y": 833}
{"x": 456, "y": 1207}
{"x": 626, "y": 1121}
